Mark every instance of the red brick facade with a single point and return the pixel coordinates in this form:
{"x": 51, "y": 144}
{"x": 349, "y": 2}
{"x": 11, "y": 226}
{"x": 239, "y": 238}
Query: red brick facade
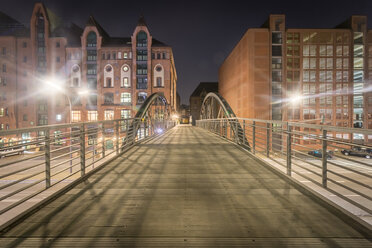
{"x": 38, "y": 63}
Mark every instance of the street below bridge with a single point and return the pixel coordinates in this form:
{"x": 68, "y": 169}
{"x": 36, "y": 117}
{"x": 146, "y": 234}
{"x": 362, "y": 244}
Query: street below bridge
{"x": 186, "y": 188}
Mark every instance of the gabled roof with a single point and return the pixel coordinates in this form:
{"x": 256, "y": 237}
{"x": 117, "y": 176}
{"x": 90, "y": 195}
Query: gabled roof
{"x": 92, "y": 22}
{"x": 205, "y": 87}
{"x": 141, "y": 21}
{"x": 157, "y": 43}
{"x": 71, "y": 33}
{"x": 11, "y": 27}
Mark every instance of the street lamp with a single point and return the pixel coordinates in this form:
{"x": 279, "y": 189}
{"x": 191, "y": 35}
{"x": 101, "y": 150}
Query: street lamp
{"x": 56, "y": 84}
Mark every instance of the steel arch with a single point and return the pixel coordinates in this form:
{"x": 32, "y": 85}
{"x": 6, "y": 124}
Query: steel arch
{"x": 214, "y": 106}
{"x": 145, "y": 116}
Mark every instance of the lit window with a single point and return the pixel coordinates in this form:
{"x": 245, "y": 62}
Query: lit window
{"x": 125, "y": 97}
{"x": 125, "y": 82}
{"x": 76, "y": 116}
{"x": 58, "y": 117}
{"x": 125, "y": 114}
{"x": 125, "y": 68}
{"x": 109, "y": 114}
{"x": 125, "y": 55}
{"x": 92, "y": 115}
{"x": 1, "y": 112}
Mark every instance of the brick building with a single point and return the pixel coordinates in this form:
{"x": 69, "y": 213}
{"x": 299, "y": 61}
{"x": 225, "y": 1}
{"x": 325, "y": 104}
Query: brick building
{"x": 104, "y": 77}
{"x": 317, "y": 76}
{"x": 197, "y": 96}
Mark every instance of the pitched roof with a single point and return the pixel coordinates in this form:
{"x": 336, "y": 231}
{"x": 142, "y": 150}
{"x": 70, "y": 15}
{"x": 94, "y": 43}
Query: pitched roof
{"x": 141, "y": 21}
{"x": 71, "y": 33}
{"x": 11, "y": 27}
{"x": 93, "y": 22}
{"x": 205, "y": 87}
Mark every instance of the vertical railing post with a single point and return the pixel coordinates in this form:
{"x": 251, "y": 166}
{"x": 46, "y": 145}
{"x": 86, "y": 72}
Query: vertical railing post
{"x": 244, "y": 138}
{"x": 117, "y": 135}
{"x": 289, "y": 150}
{"x": 82, "y": 149}
{"x": 254, "y": 137}
{"x": 230, "y": 129}
{"x": 268, "y": 140}
{"x": 103, "y": 140}
{"x": 145, "y": 127}
{"x": 324, "y": 159}
{"x": 47, "y": 158}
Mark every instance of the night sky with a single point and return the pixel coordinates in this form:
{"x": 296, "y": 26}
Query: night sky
{"x": 201, "y": 33}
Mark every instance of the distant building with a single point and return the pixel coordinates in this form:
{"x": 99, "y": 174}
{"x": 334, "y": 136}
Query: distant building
{"x": 319, "y": 76}
{"x": 178, "y": 102}
{"x": 196, "y": 98}
{"x": 184, "y": 109}
{"x": 115, "y": 73}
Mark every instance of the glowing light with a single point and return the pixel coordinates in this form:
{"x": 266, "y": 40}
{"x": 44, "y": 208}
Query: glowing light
{"x": 175, "y": 116}
{"x": 159, "y": 130}
{"x": 295, "y": 99}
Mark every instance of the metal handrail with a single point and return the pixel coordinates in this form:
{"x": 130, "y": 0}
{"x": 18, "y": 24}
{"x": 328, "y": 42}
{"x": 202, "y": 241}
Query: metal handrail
{"x": 48, "y": 160}
{"x": 290, "y": 149}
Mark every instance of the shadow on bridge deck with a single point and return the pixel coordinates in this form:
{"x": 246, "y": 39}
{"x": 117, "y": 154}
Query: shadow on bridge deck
{"x": 186, "y": 188}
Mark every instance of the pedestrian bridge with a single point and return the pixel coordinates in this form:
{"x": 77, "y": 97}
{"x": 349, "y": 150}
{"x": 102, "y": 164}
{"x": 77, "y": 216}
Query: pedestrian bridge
{"x": 226, "y": 183}
{"x": 186, "y": 188}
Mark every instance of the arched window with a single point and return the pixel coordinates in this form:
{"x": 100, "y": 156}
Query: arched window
{"x": 108, "y": 76}
{"x": 75, "y": 76}
{"x": 125, "y": 76}
{"x": 92, "y": 39}
{"x": 141, "y": 39}
{"x": 158, "y": 76}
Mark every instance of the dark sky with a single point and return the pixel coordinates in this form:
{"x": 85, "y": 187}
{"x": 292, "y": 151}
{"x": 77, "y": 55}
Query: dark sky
{"x": 202, "y": 33}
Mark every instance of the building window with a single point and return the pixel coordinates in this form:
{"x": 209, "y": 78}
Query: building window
{"x": 75, "y": 82}
{"x": 91, "y": 69}
{"x": 141, "y": 97}
{"x": 92, "y": 83}
{"x": 158, "y": 55}
{"x": 125, "y": 82}
{"x": 25, "y": 117}
{"x": 42, "y": 120}
{"x": 58, "y": 44}
{"x": 109, "y": 82}
{"x": 4, "y": 67}
{"x": 103, "y": 56}
{"x": 109, "y": 114}
{"x": 159, "y": 82}
{"x": 91, "y": 55}
{"x": 76, "y": 116}
{"x": 4, "y": 51}
{"x": 92, "y": 100}
{"x": 92, "y": 115}
{"x": 125, "y": 97}
{"x": 164, "y": 56}
{"x": 125, "y": 114}
{"x": 25, "y": 59}
{"x": 141, "y": 39}
{"x": 108, "y": 98}
{"x": 277, "y": 51}
{"x": 58, "y": 59}
{"x": 58, "y": 117}
{"x": 125, "y": 55}
{"x": 24, "y": 44}
{"x": 92, "y": 39}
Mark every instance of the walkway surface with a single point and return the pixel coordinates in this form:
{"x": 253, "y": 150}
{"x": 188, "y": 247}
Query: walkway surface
{"x": 187, "y": 188}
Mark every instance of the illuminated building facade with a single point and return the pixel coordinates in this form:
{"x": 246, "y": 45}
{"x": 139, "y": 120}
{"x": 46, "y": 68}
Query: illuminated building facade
{"x": 103, "y": 77}
{"x": 318, "y": 76}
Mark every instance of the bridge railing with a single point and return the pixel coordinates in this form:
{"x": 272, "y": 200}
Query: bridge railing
{"x": 297, "y": 149}
{"x": 36, "y": 162}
